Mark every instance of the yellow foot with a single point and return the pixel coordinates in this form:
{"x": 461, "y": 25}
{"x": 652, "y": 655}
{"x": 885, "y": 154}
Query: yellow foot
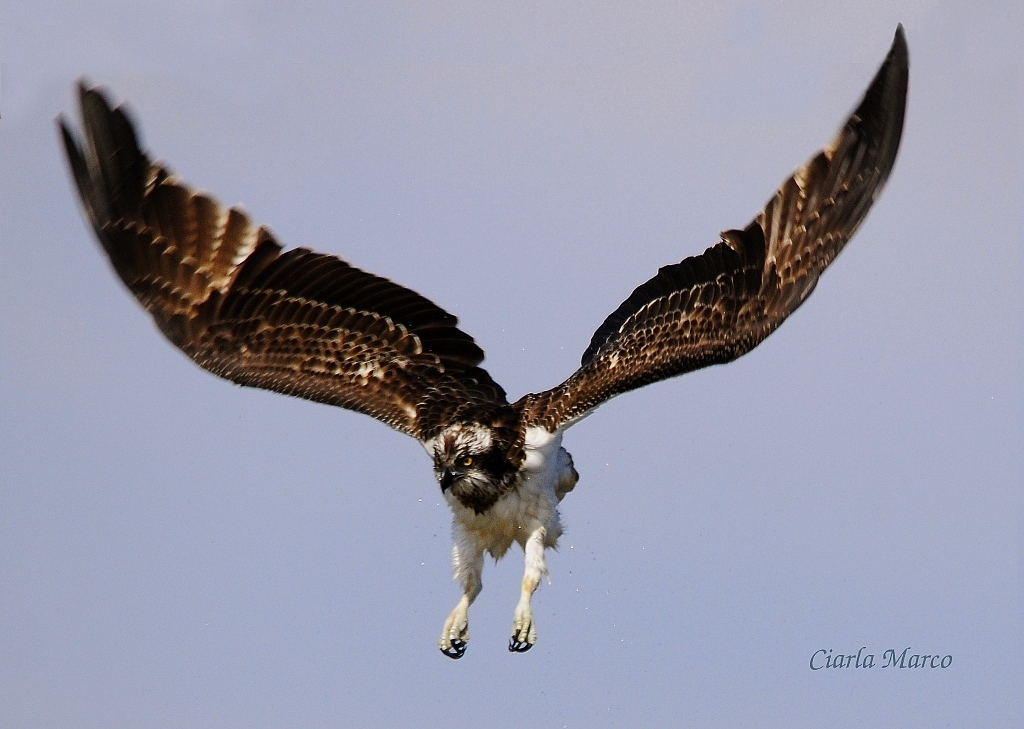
{"x": 455, "y": 634}
{"x": 524, "y": 631}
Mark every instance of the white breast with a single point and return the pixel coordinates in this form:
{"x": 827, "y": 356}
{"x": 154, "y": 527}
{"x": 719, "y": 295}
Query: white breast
{"x": 546, "y": 476}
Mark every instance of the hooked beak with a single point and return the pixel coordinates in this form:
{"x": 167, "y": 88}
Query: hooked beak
{"x": 448, "y": 477}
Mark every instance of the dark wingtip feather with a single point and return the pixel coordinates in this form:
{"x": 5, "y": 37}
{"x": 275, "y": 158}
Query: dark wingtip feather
{"x": 882, "y": 111}
{"x": 888, "y": 89}
{"x": 899, "y": 43}
{"x": 893, "y": 75}
{"x": 114, "y": 149}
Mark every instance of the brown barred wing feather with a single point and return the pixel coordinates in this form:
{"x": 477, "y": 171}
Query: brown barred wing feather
{"x": 713, "y": 308}
{"x": 297, "y": 322}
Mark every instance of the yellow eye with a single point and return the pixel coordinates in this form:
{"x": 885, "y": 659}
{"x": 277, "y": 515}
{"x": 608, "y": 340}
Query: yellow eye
{"x": 466, "y": 461}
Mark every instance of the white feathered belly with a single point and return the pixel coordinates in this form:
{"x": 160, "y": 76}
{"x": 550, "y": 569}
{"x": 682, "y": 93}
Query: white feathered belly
{"x": 546, "y": 477}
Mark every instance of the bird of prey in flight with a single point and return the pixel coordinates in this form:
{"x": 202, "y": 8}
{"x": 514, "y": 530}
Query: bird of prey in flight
{"x": 224, "y": 291}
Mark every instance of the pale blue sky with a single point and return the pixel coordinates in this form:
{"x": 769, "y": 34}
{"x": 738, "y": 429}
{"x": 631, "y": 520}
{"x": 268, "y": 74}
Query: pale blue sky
{"x": 177, "y": 551}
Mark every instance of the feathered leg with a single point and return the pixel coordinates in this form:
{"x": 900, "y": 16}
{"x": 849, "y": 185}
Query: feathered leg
{"x": 469, "y": 567}
{"x": 524, "y": 630}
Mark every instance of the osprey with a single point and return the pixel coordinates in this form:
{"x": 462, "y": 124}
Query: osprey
{"x": 225, "y": 292}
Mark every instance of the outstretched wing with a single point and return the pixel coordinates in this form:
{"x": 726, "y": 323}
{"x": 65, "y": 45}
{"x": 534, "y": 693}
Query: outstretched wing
{"x": 297, "y": 322}
{"x": 712, "y": 308}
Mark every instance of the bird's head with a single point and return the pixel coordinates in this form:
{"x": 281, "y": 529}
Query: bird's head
{"x": 471, "y": 463}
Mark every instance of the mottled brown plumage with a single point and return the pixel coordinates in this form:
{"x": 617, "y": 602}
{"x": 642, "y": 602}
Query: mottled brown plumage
{"x": 712, "y": 308}
{"x": 311, "y": 325}
{"x": 299, "y": 322}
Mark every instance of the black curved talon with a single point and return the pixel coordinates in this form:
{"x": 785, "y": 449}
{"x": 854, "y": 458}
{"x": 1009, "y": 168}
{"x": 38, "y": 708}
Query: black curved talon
{"x": 518, "y": 646}
{"x": 457, "y": 649}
